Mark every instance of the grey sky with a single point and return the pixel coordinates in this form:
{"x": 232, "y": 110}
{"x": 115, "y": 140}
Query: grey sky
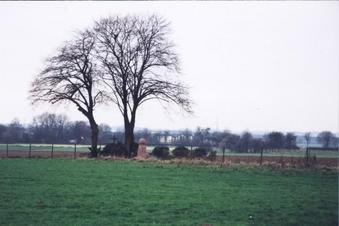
{"x": 249, "y": 65}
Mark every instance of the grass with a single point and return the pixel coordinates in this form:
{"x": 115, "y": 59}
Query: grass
{"x": 96, "y": 192}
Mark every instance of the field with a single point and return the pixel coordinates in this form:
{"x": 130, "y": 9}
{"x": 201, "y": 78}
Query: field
{"x": 97, "y": 192}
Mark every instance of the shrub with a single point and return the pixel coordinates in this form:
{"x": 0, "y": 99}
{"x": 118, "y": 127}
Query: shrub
{"x": 118, "y": 149}
{"x": 212, "y": 155}
{"x": 160, "y": 152}
{"x": 200, "y": 152}
{"x": 134, "y": 151}
{"x": 181, "y": 152}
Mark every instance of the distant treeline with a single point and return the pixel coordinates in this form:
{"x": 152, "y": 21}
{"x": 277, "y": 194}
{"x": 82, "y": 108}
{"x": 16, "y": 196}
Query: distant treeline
{"x": 53, "y": 128}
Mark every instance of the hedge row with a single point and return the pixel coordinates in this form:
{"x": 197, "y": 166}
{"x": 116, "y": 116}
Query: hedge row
{"x": 183, "y": 152}
{"x": 161, "y": 152}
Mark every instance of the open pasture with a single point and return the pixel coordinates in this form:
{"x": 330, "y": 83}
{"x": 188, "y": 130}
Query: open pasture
{"x": 96, "y": 192}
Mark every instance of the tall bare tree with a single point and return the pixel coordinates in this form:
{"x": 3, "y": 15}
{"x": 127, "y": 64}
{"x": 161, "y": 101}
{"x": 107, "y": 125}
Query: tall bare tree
{"x": 139, "y": 64}
{"x": 72, "y": 76}
{"x": 326, "y": 138}
{"x": 307, "y": 137}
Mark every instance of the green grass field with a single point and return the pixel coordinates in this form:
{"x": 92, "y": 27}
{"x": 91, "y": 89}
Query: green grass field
{"x": 97, "y": 192}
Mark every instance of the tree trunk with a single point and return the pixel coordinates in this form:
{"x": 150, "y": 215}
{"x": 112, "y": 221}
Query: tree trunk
{"x": 261, "y": 155}
{"x": 129, "y": 138}
{"x": 223, "y": 154}
{"x": 94, "y": 139}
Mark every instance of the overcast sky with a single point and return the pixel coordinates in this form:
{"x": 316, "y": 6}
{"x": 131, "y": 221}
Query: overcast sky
{"x": 258, "y": 66}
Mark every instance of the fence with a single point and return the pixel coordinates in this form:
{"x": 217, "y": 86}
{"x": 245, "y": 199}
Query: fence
{"x": 297, "y": 157}
{"x": 43, "y": 150}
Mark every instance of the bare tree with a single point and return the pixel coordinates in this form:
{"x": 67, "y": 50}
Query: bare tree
{"x": 72, "y": 76}
{"x": 139, "y": 64}
{"x": 326, "y": 138}
{"x": 307, "y": 137}
{"x": 14, "y": 132}
{"x": 48, "y": 128}
{"x": 245, "y": 142}
{"x": 222, "y": 145}
{"x": 290, "y": 141}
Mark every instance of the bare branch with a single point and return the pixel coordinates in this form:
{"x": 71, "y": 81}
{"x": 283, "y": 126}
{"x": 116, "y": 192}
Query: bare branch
{"x": 138, "y": 62}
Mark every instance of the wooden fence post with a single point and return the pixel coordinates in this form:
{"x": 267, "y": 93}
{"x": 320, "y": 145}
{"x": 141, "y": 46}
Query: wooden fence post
{"x": 75, "y": 150}
{"x": 52, "y": 150}
{"x": 223, "y": 154}
{"x": 7, "y": 150}
{"x": 30, "y": 149}
{"x": 307, "y": 156}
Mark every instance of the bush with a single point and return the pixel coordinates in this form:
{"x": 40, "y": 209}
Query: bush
{"x": 118, "y": 149}
{"x": 160, "y": 152}
{"x": 181, "y": 152}
{"x": 134, "y": 151}
{"x": 200, "y": 152}
{"x": 212, "y": 155}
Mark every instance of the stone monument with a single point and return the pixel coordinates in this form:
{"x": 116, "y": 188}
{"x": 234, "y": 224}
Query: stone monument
{"x": 141, "y": 149}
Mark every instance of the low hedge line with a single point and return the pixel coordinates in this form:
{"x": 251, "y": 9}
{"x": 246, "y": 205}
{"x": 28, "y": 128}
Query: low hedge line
{"x": 162, "y": 152}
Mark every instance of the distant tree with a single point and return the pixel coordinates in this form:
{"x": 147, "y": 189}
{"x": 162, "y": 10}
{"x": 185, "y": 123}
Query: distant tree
{"x": 139, "y": 65}
{"x": 326, "y": 138}
{"x": 275, "y": 140}
{"x": 3, "y": 129}
{"x": 80, "y": 131}
{"x": 202, "y": 137}
{"x": 257, "y": 144}
{"x": 245, "y": 142}
{"x": 15, "y": 132}
{"x": 307, "y": 137}
{"x": 222, "y": 145}
{"x": 105, "y": 133}
{"x": 335, "y": 142}
{"x": 290, "y": 141}
{"x": 206, "y": 133}
{"x": 232, "y": 141}
{"x": 48, "y": 128}
{"x": 118, "y": 136}
{"x": 72, "y": 77}
{"x": 216, "y": 137}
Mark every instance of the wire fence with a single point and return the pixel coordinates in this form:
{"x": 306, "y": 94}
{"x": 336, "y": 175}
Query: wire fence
{"x": 296, "y": 157}
{"x": 43, "y": 150}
